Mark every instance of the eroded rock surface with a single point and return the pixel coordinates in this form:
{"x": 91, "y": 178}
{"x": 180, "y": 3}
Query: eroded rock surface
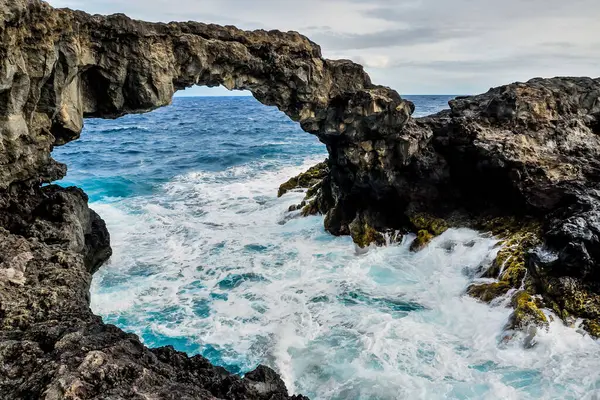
{"x": 531, "y": 150}
{"x": 520, "y": 162}
{"x": 526, "y": 151}
{"x": 60, "y": 66}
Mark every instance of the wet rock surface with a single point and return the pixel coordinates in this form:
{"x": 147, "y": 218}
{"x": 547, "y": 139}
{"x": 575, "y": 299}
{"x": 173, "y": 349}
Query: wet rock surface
{"x": 526, "y": 151}
{"x": 530, "y": 150}
{"x": 316, "y": 182}
{"x": 51, "y": 344}
{"x": 519, "y": 162}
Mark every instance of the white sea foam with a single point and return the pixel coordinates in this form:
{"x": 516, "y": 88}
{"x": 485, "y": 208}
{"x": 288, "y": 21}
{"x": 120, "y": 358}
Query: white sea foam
{"x": 207, "y": 261}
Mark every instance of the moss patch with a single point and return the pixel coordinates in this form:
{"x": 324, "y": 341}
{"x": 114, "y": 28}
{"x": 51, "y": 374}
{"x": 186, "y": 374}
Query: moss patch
{"x": 435, "y": 226}
{"x": 581, "y": 302}
{"x": 510, "y": 262}
{"x": 489, "y": 291}
{"x": 313, "y": 180}
{"x": 306, "y": 180}
{"x": 519, "y": 237}
{"x": 571, "y": 298}
{"x": 364, "y": 234}
{"x": 422, "y": 240}
{"x": 506, "y": 226}
{"x": 312, "y": 208}
{"x": 592, "y": 327}
{"x": 427, "y": 227}
{"x": 527, "y": 312}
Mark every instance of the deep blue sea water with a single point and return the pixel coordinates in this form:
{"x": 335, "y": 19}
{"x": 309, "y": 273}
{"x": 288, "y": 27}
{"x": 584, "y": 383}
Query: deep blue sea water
{"x": 207, "y": 259}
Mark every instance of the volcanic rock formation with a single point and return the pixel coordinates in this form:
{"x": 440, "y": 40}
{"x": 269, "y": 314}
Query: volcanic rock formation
{"x": 519, "y": 161}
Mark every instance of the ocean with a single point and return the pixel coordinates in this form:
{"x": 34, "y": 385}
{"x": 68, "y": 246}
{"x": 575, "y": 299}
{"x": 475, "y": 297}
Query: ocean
{"x": 207, "y": 259}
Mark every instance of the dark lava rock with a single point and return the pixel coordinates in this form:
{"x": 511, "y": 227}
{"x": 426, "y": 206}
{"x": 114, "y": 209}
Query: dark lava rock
{"x": 522, "y": 152}
{"x": 53, "y": 347}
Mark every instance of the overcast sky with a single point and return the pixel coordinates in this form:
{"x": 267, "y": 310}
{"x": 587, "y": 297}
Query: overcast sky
{"x": 413, "y": 46}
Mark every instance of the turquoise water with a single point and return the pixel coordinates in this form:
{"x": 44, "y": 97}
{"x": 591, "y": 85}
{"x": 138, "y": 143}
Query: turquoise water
{"x": 207, "y": 259}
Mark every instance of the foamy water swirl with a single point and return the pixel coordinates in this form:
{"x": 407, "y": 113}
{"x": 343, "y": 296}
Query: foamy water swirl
{"x": 207, "y": 264}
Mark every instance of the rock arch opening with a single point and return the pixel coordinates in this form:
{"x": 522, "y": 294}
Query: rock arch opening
{"x": 211, "y": 132}
{"x": 215, "y": 164}
{"x": 103, "y": 76}
{"x": 77, "y": 66}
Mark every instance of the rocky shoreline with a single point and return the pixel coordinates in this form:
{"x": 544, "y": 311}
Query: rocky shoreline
{"x": 51, "y": 344}
{"x": 519, "y": 161}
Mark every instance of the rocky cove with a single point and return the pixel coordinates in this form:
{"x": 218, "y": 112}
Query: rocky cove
{"x": 518, "y": 162}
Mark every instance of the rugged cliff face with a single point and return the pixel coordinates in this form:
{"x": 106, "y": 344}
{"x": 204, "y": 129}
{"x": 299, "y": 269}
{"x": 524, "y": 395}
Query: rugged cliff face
{"x": 529, "y": 151}
{"x": 532, "y": 150}
{"x": 61, "y": 66}
{"x": 520, "y": 161}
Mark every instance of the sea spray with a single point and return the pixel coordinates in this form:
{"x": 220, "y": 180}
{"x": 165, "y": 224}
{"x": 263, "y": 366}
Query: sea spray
{"x": 208, "y": 260}
{"x": 205, "y": 264}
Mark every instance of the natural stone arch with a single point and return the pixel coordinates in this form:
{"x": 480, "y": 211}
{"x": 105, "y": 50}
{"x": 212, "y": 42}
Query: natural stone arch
{"x": 95, "y": 66}
{"x": 107, "y": 67}
{"x": 58, "y": 67}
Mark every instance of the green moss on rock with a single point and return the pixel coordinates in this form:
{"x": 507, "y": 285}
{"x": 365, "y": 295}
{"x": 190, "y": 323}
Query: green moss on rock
{"x": 427, "y": 227}
{"x": 580, "y": 301}
{"x": 519, "y": 237}
{"x": 436, "y": 226}
{"x": 527, "y": 312}
{"x": 505, "y": 227}
{"x": 306, "y": 180}
{"x": 423, "y": 238}
{"x": 510, "y": 263}
{"x": 567, "y": 297}
{"x": 592, "y": 327}
{"x": 572, "y": 298}
{"x": 312, "y": 208}
{"x": 489, "y": 291}
{"x": 364, "y": 234}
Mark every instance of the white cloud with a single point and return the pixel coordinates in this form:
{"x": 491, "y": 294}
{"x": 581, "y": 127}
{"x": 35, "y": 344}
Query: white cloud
{"x": 373, "y": 61}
